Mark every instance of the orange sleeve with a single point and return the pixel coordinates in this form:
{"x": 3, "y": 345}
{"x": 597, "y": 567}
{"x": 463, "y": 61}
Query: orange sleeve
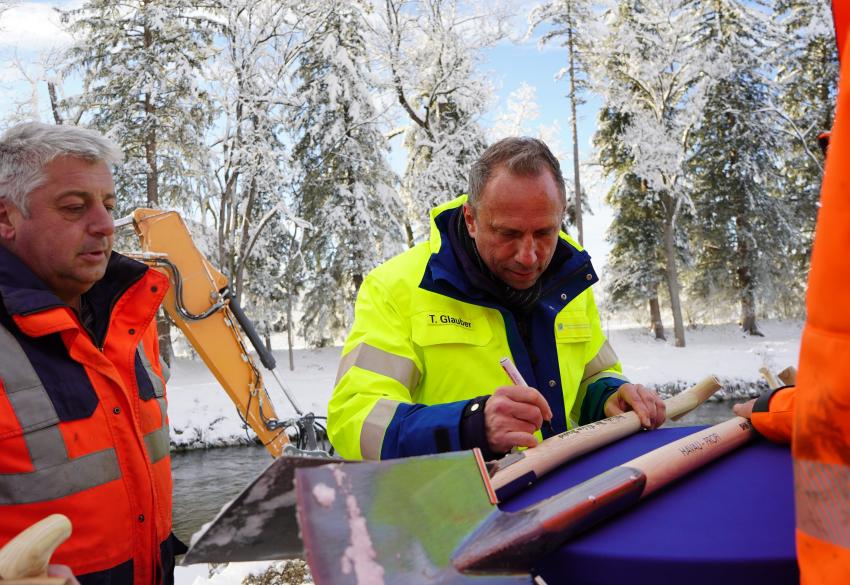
{"x": 773, "y": 414}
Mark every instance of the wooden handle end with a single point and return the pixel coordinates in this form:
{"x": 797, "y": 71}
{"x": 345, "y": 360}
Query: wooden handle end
{"x": 772, "y": 381}
{"x": 27, "y": 555}
{"x": 689, "y": 399}
{"x": 788, "y": 376}
{"x": 705, "y": 388}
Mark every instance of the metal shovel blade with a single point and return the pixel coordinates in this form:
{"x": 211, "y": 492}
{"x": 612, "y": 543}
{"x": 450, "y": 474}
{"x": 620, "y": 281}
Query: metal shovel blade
{"x": 260, "y": 524}
{"x": 395, "y": 522}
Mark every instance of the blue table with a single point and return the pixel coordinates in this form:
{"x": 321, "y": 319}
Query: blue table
{"x": 729, "y": 523}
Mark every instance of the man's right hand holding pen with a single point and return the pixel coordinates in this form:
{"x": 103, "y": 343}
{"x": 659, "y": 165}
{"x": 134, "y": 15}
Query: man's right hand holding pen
{"x": 513, "y": 413}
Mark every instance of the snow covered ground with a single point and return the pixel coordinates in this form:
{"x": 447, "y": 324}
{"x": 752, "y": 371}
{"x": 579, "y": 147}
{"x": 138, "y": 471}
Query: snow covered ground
{"x": 722, "y": 350}
{"x": 202, "y": 415}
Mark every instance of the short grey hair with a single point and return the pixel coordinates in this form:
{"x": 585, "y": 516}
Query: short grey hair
{"x": 27, "y": 148}
{"x": 519, "y": 155}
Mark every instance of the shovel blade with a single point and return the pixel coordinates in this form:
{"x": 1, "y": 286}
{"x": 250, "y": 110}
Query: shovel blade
{"x": 394, "y": 521}
{"x": 258, "y": 525}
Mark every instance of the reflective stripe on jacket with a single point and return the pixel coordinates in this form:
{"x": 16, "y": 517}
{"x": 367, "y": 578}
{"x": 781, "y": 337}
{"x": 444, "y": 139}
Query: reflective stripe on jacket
{"x": 821, "y": 435}
{"x": 83, "y": 427}
{"x": 424, "y": 343}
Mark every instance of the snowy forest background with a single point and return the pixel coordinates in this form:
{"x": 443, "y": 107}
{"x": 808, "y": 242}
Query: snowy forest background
{"x": 269, "y": 125}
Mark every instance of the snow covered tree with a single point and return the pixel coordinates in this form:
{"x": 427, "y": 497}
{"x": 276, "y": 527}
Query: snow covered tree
{"x": 250, "y": 195}
{"x": 742, "y": 231}
{"x": 636, "y": 260}
{"x": 140, "y": 62}
{"x": 430, "y": 49}
{"x": 806, "y": 61}
{"x": 346, "y": 188}
{"x": 565, "y": 21}
{"x": 6, "y": 5}
{"x": 521, "y": 110}
{"x": 648, "y": 67}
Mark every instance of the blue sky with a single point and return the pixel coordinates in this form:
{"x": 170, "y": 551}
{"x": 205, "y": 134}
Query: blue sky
{"x": 518, "y": 63}
{"x": 511, "y": 65}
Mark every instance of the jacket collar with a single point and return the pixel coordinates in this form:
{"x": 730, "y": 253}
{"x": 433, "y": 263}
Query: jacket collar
{"x": 21, "y": 290}
{"x": 23, "y": 293}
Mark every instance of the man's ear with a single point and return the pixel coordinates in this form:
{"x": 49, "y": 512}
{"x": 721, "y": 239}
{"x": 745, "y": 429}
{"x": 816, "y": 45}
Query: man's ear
{"x": 469, "y": 218}
{"x": 8, "y": 214}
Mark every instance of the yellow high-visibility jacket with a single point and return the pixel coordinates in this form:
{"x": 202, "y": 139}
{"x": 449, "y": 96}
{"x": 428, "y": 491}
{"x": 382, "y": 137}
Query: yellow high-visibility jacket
{"x": 425, "y": 342}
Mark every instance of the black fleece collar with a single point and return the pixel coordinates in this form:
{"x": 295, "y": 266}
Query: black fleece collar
{"x": 23, "y": 293}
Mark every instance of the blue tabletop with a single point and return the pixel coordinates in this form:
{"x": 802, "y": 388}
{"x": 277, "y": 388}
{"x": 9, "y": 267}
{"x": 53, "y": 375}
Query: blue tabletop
{"x": 727, "y": 523}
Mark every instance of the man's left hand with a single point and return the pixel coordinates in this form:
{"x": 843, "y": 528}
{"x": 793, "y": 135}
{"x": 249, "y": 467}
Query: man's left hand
{"x": 643, "y": 401}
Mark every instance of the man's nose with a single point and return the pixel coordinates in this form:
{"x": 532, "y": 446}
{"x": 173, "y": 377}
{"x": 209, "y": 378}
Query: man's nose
{"x": 101, "y": 222}
{"x": 527, "y": 253}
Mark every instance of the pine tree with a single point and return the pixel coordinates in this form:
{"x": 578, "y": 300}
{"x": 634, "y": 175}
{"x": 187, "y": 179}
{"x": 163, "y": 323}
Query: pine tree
{"x": 566, "y": 19}
{"x": 346, "y": 191}
{"x": 648, "y": 67}
{"x": 141, "y": 61}
{"x": 743, "y": 231}
{"x": 636, "y": 267}
{"x": 807, "y": 64}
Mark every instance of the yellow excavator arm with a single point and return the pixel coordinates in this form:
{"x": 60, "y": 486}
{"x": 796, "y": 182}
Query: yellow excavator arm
{"x": 200, "y": 304}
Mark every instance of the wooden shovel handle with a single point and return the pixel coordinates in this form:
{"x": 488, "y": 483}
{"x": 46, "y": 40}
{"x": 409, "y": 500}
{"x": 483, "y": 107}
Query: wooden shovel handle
{"x": 26, "y": 556}
{"x": 772, "y": 381}
{"x": 568, "y": 445}
{"x": 788, "y": 376}
{"x": 678, "y": 458}
{"x": 687, "y": 400}
{"x": 38, "y": 581}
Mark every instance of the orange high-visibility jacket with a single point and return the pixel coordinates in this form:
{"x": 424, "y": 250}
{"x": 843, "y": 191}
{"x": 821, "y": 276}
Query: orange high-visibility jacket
{"x": 815, "y": 414}
{"x": 83, "y": 428}
{"x": 821, "y": 431}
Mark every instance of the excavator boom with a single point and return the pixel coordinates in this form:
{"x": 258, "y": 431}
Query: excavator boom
{"x": 199, "y": 304}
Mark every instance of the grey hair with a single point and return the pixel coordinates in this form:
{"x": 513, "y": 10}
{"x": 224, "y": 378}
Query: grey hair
{"x": 520, "y": 155}
{"x": 27, "y": 148}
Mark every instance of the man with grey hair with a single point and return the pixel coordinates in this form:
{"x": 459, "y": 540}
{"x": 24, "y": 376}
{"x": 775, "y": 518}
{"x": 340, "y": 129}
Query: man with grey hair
{"x": 420, "y": 371}
{"x": 83, "y": 428}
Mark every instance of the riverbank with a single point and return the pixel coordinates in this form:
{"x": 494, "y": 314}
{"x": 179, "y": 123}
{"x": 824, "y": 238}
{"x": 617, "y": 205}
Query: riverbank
{"x": 202, "y": 416}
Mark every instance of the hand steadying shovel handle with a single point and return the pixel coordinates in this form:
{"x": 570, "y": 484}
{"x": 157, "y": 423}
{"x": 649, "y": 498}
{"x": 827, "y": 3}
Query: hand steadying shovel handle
{"x": 24, "y": 559}
{"x": 518, "y": 470}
